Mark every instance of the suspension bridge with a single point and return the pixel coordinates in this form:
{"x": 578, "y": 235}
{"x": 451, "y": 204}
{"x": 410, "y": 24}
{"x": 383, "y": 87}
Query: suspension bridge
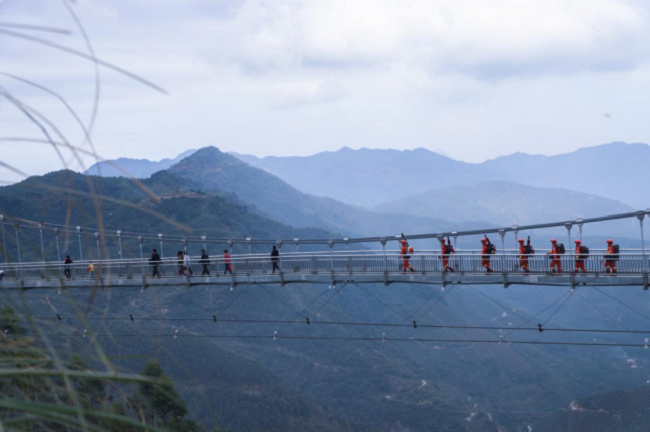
{"x": 330, "y": 267}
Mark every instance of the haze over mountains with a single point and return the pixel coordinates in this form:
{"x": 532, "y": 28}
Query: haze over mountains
{"x": 421, "y": 191}
{"x": 138, "y": 168}
{"x": 373, "y": 177}
{"x": 505, "y": 203}
{"x": 217, "y": 172}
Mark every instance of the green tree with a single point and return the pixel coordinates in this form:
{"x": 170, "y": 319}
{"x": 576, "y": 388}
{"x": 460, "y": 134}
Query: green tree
{"x": 9, "y": 323}
{"x": 91, "y": 391}
{"x": 162, "y": 399}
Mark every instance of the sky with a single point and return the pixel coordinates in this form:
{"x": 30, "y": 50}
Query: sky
{"x": 470, "y": 78}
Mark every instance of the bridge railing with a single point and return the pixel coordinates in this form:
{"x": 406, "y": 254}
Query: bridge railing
{"x": 365, "y": 263}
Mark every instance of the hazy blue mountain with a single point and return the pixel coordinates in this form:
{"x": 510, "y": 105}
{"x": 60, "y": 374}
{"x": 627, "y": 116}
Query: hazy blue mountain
{"x": 372, "y": 177}
{"x": 369, "y": 177}
{"x": 616, "y": 170}
{"x": 505, "y": 203}
{"x": 138, "y": 168}
{"x": 216, "y": 172}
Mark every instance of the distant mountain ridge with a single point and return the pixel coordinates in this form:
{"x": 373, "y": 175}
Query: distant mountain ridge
{"x": 504, "y": 203}
{"x": 219, "y": 172}
{"x": 372, "y": 177}
{"x": 138, "y": 168}
{"x": 369, "y": 177}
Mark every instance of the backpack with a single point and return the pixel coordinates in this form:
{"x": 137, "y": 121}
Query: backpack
{"x": 449, "y": 249}
{"x": 491, "y": 248}
{"x": 584, "y": 252}
{"x": 529, "y": 250}
{"x": 616, "y": 251}
{"x": 560, "y": 248}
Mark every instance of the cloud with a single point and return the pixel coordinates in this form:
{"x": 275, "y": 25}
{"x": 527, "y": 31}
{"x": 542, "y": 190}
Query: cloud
{"x": 486, "y": 40}
{"x": 295, "y": 77}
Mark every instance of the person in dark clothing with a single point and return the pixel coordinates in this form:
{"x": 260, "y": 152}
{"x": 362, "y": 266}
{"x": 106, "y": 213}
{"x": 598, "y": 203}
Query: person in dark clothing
{"x": 155, "y": 262}
{"x": 275, "y": 259}
{"x": 205, "y": 261}
{"x": 67, "y": 268}
{"x": 180, "y": 263}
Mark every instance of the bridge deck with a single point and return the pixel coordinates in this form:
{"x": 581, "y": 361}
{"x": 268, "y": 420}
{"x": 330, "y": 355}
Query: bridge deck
{"x": 373, "y": 267}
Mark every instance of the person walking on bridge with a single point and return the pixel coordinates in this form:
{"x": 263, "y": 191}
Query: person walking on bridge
{"x": 180, "y": 257}
{"x": 205, "y": 261}
{"x": 67, "y": 269}
{"x": 405, "y": 254}
{"x": 554, "y": 255}
{"x": 487, "y": 250}
{"x": 582, "y": 253}
{"x": 275, "y": 260}
{"x": 155, "y": 262}
{"x": 524, "y": 255}
{"x": 611, "y": 256}
{"x": 447, "y": 250}
{"x": 187, "y": 269}
{"x": 226, "y": 262}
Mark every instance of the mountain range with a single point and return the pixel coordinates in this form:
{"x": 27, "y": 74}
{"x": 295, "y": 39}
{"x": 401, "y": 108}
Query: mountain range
{"x": 505, "y": 203}
{"x": 138, "y": 168}
{"x": 217, "y": 172}
{"x": 373, "y": 177}
{"x": 440, "y": 194}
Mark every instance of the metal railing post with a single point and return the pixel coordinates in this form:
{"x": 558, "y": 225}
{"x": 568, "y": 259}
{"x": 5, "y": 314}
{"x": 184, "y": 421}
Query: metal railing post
{"x": 81, "y": 256}
{"x": 140, "y": 240}
{"x": 119, "y": 244}
{"x": 644, "y": 267}
{"x": 383, "y": 246}
{"x": 502, "y": 233}
{"x": 4, "y": 241}
{"x": 58, "y": 250}
{"x": 330, "y": 243}
{"x": 40, "y": 231}
{"x": 580, "y": 223}
{"x": 20, "y": 265}
{"x": 97, "y": 243}
{"x": 571, "y": 263}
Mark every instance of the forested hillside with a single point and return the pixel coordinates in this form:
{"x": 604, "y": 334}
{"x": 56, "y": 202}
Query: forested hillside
{"x": 214, "y": 172}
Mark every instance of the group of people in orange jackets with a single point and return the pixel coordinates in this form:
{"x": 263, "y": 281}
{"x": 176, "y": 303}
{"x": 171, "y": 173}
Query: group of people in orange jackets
{"x": 525, "y": 251}
{"x": 581, "y": 255}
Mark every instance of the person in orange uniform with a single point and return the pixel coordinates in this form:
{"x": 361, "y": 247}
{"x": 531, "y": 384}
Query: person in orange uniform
{"x": 610, "y": 264}
{"x": 485, "y": 255}
{"x": 580, "y": 258}
{"x": 556, "y": 264}
{"x": 406, "y": 256}
{"x": 446, "y": 250}
{"x": 523, "y": 257}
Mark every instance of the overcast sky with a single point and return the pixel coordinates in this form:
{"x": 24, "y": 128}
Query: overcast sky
{"x": 472, "y": 78}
